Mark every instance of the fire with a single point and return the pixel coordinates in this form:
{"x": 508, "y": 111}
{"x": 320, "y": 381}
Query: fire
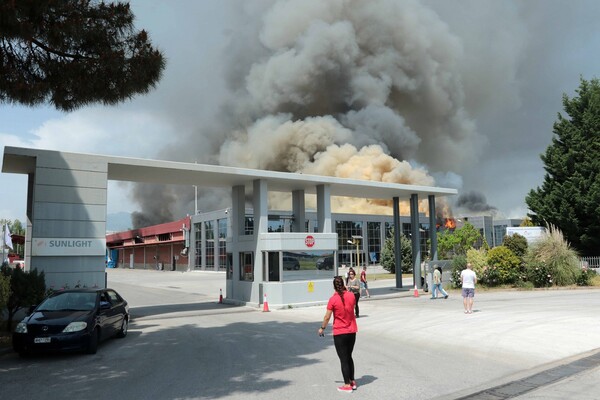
{"x": 450, "y": 223}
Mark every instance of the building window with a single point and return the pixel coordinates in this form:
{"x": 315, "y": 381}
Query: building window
{"x": 374, "y": 238}
{"x": 247, "y": 267}
{"x": 389, "y": 227}
{"x": 345, "y": 230}
{"x": 249, "y": 226}
{"x": 222, "y": 227}
{"x": 275, "y": 224}
{"x": 198, "y": 246}
{"x": 209, "y": 244}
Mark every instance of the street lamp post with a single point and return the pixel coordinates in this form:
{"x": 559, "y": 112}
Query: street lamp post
{"x": 356, "y": 240}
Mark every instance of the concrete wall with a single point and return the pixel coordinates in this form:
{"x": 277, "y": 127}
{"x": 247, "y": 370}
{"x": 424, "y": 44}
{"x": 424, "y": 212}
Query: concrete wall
{"x": 67, "y": 200}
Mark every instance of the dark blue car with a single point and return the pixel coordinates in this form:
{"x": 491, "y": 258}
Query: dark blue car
{"x": 76, "y": 319}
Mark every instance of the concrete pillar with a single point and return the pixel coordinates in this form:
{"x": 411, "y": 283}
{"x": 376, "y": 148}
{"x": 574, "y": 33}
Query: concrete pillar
{"x": 397, "y": 246}
{"x": 324, "y": 208}
{"x": 67, "y": 201}
{"x": 432, "y": 228}
{"x": 415, "y": 238}
{"x": 299, "y": 211}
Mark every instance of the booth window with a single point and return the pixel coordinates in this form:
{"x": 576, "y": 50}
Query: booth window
{"x": 247, "y": 267}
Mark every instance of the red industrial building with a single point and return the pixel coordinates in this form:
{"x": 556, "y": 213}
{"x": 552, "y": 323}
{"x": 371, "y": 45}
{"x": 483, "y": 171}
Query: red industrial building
{"x": 163, "y": 246}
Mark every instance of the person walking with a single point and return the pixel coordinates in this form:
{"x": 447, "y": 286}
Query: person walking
{"x": 363, "y": 281}
{"x": 437, "y": 284}
{"x": 353, "y": 285}
{"x": 341, "y": 305}
{"x": 468, "y": 278}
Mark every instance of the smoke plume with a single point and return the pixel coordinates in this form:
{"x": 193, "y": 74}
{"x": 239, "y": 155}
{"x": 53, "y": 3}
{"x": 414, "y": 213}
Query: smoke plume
{"x": 347, "y": 88}
{"x": 475, "y": 202}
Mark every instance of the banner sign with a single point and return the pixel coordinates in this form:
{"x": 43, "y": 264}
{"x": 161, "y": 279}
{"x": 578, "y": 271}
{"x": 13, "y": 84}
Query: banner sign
{"x": 68, "y": 247}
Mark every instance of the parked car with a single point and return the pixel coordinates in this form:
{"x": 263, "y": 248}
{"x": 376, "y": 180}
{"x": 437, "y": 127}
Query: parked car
{"x": 75, "y": 319}
{"x": 291, "y": 263}
{"x": 325, "y": 263}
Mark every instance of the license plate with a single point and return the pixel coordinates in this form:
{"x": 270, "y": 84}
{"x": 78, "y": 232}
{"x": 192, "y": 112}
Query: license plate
{"x": 41, "y": 340}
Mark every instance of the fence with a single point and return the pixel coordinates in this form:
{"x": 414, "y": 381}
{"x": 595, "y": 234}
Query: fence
{"x": 591, "y": 262}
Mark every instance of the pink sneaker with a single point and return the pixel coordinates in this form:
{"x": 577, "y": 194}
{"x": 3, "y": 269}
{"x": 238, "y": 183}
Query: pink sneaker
{"x": 353, "y": 384}
{"x": 346, "y": 389}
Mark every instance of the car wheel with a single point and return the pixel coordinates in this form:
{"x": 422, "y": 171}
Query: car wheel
{"x": 93, "y": 343}
{"x": 297, "y": 267}
{"x": 124, "y": 326}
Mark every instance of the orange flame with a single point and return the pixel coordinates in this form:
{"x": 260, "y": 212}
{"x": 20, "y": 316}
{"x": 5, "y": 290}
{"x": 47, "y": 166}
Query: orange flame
{"x": 450, "y": 223}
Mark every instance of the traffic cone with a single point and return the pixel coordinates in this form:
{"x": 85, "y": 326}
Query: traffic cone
{"x": 416, "y": 292}
{"x": 220, "y": 296}
{"x": 265, "y": 304}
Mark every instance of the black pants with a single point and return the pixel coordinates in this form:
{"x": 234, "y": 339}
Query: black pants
{"x": 356, "y": 297}
{"x": 344, "y": 345}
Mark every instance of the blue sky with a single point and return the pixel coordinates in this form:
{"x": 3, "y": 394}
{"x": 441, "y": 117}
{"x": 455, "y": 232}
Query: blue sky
{"x": 509, "y": 64}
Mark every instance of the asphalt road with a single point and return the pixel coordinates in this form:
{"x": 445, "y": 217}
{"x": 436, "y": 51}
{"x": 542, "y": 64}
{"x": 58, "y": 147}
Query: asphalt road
{"x": 182, "y": 344}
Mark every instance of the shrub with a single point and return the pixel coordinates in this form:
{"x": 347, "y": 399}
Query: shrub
{"x": 478, "y": 259}
{"x": 458, "y": 264}
{"x": 26, "y": 289}
{"x": 517, "y": 244}
{"x": 503, "y": 267}
{"x": 539, "y": 274}
{"x": 554, "y": 251}
{"x": 4, "y": 291}
{"x": 584, "y": 278}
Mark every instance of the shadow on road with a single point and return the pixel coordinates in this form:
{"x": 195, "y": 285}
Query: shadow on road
{"x": 201, "y": 308}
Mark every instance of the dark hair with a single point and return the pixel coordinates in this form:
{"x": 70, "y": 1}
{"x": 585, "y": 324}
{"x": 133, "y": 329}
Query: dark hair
{"x": 339, "y": 287}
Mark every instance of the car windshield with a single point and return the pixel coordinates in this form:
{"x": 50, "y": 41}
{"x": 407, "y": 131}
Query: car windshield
{"x": 73, "y": 301}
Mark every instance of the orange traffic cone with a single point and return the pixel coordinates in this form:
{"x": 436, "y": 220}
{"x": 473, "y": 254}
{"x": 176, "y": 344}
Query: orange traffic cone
{"x": 416, "y": 292}
{"x": 220, "y": 296}
{"x": 265, "y": 304}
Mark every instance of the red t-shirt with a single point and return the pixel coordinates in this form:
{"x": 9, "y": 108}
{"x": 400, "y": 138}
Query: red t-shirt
{"x": 344, "y": 320}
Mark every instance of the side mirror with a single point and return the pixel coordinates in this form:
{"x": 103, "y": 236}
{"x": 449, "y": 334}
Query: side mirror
{"x": 104, "y": 305}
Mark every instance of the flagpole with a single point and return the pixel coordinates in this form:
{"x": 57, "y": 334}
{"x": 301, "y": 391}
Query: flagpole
{"x": 3, "y": 241}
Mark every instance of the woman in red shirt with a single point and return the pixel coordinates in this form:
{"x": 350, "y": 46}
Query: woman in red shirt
{"x": 341, "y": 305}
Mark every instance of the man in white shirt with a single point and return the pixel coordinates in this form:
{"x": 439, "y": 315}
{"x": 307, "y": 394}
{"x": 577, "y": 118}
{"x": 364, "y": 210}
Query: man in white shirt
{"x": 468, "y": 278}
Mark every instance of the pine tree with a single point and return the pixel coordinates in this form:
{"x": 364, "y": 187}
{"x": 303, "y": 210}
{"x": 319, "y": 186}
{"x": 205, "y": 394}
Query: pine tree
{"x": 569, "y": 197}
{"x": 73, "y": 52}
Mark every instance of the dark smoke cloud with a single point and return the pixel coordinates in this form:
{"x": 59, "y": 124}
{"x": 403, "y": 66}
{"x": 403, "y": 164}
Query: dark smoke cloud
{"x": 474, "y": 202}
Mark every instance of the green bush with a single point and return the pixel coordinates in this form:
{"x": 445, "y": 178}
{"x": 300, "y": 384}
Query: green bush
{"x": 458, "y": 264}
{"x": 26, "y": 289}
{"x": 584, "y": 278}
{"x": 4, "y": 291}
{"x": 517, "y": 244}
{"x": 556, "y": 253}
{"x": 503, "y": 267}
{"x": 478, "y": 259}
{"x": 539, "y": 274}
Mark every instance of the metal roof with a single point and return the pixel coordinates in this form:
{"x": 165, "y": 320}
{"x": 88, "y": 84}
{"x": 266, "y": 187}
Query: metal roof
{"x": 22, "y": 160}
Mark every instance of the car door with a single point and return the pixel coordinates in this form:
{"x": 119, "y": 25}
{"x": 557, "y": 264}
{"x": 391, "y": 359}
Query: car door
{"x": 108, "y": 316}
{"x": 117, "y": 310}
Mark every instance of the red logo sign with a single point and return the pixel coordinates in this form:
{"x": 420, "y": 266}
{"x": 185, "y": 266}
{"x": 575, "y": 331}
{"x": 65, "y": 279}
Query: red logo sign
{"x": 309, "y": 241}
